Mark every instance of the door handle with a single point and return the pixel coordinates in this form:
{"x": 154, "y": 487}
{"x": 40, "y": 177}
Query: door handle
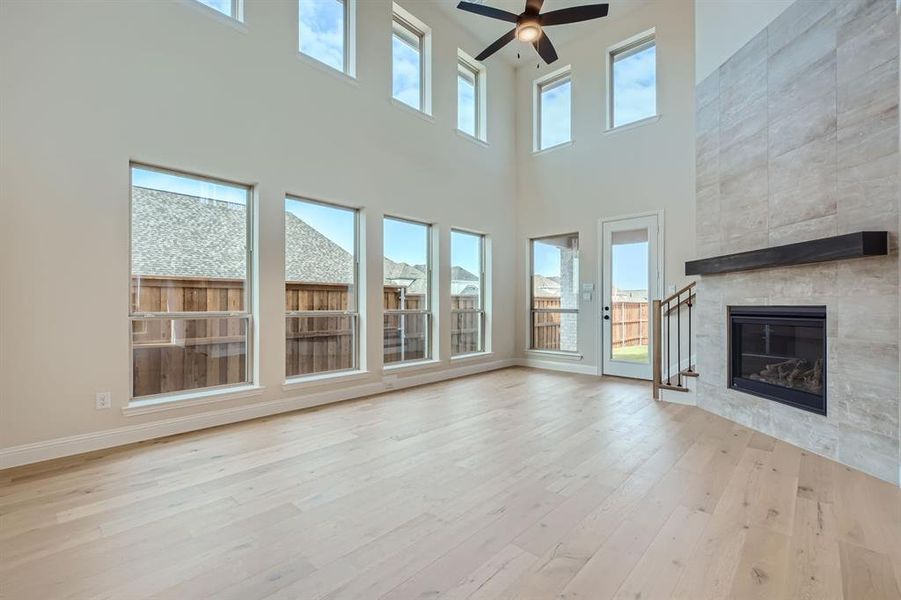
{"x": 606, "y": 308}
{"x": 606, "y": 317}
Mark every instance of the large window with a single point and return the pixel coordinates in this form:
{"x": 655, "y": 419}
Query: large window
{"x": 321, "y": 290}
{"x": 470, "y": 96}
{"x": 325, "y": 31}
{"x": 633, "y": 81}
{"x": 467, "y": 293}
{"x": 190, "y": 283}
{"x": 407, "y": 298}
{"x": 554, "y": 110}
{"x": 554, "y": 290}
{"x": 229, "y": 8}
{"x": 410, "y": 60}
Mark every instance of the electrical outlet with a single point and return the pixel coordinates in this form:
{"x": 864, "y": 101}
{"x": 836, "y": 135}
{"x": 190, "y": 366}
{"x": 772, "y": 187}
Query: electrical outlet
{"x": 103, "y": 400}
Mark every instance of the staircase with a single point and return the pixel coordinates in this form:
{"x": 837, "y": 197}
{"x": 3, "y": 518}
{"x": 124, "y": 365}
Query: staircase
{"x": 673, "y": 359}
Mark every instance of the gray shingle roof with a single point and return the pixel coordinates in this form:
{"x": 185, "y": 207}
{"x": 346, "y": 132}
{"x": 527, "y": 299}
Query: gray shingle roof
{"x": 174, "y": 235}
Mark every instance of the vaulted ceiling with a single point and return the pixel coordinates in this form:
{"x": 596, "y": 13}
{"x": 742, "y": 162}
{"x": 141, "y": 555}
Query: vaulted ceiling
{"x": 487, "y": 30}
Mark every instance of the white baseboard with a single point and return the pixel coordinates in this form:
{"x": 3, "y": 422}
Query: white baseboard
{"x": 25, "y": 454}
{"x": 550, "y": 365}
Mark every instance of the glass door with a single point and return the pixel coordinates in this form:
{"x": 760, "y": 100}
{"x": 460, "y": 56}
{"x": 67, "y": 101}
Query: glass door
{"x": 629, "y": 259}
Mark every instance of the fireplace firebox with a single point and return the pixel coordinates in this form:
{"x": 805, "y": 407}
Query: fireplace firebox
{"x": 779, "y": 352}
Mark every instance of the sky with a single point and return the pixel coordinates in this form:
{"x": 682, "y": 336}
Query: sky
{"x": 406, "y": 242}
{"x": 635, "y": 87}
{"x": 322, "y": 31}
{"x": 336, "y": 224}
{"x": 223, "y": 6}
{"x": 189, "y": 186}
{"x": 629, "y": 264}
{"x": 556, "y": 115}
{"x": 405, "y": 72}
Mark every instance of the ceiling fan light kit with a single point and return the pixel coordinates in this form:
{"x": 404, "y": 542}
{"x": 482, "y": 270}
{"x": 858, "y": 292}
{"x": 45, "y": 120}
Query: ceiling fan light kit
{"x": 529, "y": 26}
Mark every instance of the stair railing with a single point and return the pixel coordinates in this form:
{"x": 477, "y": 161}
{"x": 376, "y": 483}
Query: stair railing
{"x": 669, "y": 315}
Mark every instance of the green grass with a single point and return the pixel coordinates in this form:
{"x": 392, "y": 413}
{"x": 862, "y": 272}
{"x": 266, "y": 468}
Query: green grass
{"x": 631, "y": 353}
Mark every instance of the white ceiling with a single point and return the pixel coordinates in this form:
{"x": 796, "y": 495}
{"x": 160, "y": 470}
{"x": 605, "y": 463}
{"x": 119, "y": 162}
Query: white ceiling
{"x": 487, "y": 30}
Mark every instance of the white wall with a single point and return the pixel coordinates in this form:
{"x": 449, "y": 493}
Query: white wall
{"x": 88, "y": 86}
{"x": 724, "y": 26}
{"x": 609, "y": 174}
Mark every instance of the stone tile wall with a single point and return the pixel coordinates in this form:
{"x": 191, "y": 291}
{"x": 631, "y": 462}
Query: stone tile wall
{"x": 797, "y": 138}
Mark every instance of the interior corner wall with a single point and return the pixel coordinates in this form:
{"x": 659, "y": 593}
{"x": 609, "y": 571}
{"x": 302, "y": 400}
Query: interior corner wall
{"x": 88, "y": 86}
{"x": 606, "y": 174}
{"x": 724, "y": 26}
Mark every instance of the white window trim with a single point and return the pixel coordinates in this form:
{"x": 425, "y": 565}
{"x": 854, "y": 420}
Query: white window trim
{"x": 353, "y": 311}
{"x": 483, "y": 284}
{"x": 632, "y": 44}
{"x": 549, "y": 81}
{"x": 480, "y": 75}
{"x": 185, "y": 397}
{"x": 401, "y": 18}
{"x": 575, "y": 354}
{"x": 350, "y": 38}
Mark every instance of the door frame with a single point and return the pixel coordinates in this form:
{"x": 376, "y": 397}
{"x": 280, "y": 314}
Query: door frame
{"x": 661, "y": 278}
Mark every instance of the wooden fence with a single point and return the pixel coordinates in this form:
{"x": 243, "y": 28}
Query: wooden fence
{"x": 171, "y": 355}
{"x": 629, "y": 324}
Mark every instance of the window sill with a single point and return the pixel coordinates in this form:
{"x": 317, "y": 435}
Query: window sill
{"x": 475, "y": 140}
{"x": 324, "y": 378}
{"x": 573, "y": 356}
{"x": 412, "y": 366}
{"x": 471, "y": 356}
{"x": 321, "y": 66}
{"x": 413, "y": 111}
{"x": 559, "y": 146}
{"x": 187, "y": 400}
{"x": 633, "y": 124}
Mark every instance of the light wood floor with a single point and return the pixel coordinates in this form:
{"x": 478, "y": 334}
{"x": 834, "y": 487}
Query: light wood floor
{"x": 513, "y": 484}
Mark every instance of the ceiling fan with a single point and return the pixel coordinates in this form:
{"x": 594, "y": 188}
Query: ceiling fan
{"x": 531, "y": 23}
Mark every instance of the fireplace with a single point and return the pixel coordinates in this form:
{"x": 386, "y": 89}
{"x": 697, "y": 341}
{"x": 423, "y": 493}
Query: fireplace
{"x": 779, "y": 352}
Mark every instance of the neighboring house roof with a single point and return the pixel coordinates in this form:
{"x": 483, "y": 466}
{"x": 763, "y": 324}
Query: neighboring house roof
{"x": 175, "y": 235}
{"x": 399, "y": 273}
{"x": 545, "y": 286}
{"x": 461, "y": 274}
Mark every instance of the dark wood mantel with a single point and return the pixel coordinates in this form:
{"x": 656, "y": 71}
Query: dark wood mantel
{"x": 840, "y": 247}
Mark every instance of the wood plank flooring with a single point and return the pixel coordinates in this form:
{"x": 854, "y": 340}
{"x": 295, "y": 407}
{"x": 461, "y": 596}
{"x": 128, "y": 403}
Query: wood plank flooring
{"x": 516, "y": 484}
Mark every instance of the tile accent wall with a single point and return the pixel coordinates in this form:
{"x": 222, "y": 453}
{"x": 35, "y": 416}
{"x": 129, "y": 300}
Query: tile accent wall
{"x": 797, "y": 139}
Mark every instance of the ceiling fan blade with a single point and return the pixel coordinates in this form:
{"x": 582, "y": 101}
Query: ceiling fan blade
{"x": 497, "y": 45}
{"x": 534, "y": 6}
{"x": 545, "y": 49}
{"x": 574, "y": 14}
{"x": 488, "y": 11}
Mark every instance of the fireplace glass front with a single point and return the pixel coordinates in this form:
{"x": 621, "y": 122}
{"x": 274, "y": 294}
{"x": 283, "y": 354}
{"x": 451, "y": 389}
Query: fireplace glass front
{"x": 779, "y": 352}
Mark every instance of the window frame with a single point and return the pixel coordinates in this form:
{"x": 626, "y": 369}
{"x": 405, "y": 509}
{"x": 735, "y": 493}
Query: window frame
{"x": 429, "y": 301}
{"x": 236, "y": 10}
{"x": 357, "y": 293}
{"x": 406, "y": 27}
{"x": 247, "y": 315}
{"x": 478, "y": 73}
{"x": 533, "y": 311}
{"x": 539, "y": 86}
{"x": 482, "y": 310}
{"x": 348, "y": 44}
{"x": 624, "y": 49}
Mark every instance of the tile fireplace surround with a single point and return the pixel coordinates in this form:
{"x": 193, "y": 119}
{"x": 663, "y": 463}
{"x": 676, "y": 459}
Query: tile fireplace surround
{"x": 797, "y": 139}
